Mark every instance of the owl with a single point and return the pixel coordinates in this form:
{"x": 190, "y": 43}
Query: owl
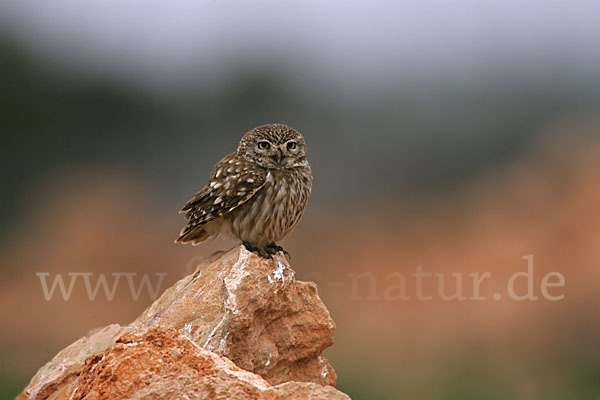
{"x": 257, "y": 194}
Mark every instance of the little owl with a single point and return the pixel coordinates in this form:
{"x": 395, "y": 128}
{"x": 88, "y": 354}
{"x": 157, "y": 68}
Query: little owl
{"x": 256, "y": 194}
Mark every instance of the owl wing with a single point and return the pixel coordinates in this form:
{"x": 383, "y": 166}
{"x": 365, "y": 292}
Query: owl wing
{"x": 232, "y": 183}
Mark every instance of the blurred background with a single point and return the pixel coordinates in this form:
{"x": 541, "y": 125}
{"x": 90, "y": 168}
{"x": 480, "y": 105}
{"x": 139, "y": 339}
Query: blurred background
{"x": 456, "y": 135}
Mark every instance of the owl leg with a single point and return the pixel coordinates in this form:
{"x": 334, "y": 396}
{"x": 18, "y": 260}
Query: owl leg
{"x": 267, "y": 251}
{"x": 262, "y": 251}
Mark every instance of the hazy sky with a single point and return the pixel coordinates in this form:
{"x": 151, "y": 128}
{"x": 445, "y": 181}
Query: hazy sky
{"x": 353, "y": 41}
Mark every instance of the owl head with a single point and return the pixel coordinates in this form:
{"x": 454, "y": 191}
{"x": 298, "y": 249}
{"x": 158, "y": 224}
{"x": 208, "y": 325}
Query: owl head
{"x": 275, "y": 146}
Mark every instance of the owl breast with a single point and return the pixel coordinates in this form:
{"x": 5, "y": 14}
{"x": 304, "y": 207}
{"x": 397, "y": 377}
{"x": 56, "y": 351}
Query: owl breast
{"x": 274, "y": 210}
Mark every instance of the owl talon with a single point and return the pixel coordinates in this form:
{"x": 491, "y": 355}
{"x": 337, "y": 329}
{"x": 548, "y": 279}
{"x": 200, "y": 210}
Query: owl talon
{"x": 274, "y": 248}
{"x": 268, "y": 251}
{"x": 262, "y": 251}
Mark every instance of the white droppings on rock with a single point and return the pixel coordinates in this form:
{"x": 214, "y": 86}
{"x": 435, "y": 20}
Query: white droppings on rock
{"x": 187, "y": 330}
{"x": 324, "y": 370}
{"x": 278, "y": 276}
{"x": 223, "y": 343}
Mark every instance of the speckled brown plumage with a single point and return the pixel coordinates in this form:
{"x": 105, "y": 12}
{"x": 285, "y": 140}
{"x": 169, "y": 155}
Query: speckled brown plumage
{"x": 257, "y": 194}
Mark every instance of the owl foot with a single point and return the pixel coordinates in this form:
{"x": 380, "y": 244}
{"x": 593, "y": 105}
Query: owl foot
{"x": 274, "y": 248}
{"x": 262, "y": 251}
{"x": 267, "y": 251}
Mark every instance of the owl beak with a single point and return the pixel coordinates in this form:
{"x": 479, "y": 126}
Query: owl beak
{"x": 277, "y": 156}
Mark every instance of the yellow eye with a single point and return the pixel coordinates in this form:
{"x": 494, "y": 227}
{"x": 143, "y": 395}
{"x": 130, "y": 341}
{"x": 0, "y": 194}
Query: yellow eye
{"x": 292, "y": 145}
{"x": 264, "y": 145}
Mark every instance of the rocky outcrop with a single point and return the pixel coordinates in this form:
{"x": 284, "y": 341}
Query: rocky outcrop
{"x": 253, "y": 312}
{"x": 239, "y": 327}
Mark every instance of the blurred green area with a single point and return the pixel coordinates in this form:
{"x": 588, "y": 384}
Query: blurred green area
{"x": 11, "y": 385}
{"x": 473, "y": 376}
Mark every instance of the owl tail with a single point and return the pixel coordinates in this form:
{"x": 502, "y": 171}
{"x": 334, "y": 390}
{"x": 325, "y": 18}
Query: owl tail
{"x": 195, "y": 236}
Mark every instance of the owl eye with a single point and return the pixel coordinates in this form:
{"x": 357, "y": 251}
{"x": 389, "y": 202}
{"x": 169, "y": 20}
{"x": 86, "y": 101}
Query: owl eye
{"x": 292, "y": 145}
{"x": 263, "y": 145}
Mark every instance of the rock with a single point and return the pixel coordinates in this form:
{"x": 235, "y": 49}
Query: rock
{"x": 236, "y": 306}
{"x": 161, "y": 363}
{"x": 60, "y": 374}
{"x": 164, "y": 364}
{"x": 255, "y": 313}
